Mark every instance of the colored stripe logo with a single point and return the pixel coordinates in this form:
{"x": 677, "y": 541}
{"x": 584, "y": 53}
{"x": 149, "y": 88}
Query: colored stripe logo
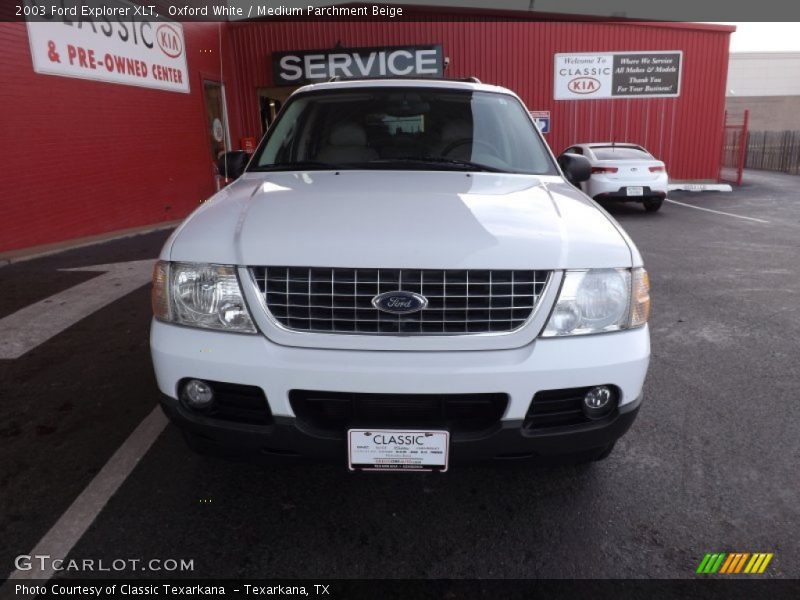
{"x": 733, "y": 563}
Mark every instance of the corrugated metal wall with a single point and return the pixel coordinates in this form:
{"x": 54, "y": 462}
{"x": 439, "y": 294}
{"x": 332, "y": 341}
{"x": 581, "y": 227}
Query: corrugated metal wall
{"x": 89, "y": 157}
{"x": 684, "y": 132}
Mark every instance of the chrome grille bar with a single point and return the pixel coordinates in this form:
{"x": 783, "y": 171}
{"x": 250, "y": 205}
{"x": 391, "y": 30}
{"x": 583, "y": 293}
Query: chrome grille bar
{"x": 334, "y": 300}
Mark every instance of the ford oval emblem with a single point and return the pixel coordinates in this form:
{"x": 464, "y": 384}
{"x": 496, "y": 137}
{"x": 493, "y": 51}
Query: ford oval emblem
{"x": 399, "y": 302}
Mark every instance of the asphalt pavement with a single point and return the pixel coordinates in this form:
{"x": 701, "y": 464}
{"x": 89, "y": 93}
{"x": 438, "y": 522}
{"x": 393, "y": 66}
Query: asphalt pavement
{"x": 710, "y": 465}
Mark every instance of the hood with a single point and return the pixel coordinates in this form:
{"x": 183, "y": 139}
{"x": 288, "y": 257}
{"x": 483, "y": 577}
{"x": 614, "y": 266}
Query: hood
{"x": 401, "y": 219}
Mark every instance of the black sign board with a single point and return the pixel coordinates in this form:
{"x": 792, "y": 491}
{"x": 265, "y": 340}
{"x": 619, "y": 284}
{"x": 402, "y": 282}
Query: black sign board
{"x": 314, "y": 66}
{"x": 646, "y": 74}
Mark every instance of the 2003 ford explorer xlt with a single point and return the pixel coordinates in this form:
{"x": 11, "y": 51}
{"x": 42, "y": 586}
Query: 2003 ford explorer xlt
{"x": 402, "y": 277}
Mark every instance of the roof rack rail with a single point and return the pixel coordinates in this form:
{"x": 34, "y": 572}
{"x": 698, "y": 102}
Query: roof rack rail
{"x": 470, "y": 79}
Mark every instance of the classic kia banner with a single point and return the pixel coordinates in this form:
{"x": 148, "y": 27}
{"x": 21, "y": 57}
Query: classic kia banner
{"x": 588, "y": 76}
{"x": 136, "y": 49}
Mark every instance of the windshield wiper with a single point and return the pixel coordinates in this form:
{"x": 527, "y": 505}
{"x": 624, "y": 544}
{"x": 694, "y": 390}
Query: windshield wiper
{"x": 299, "y": 165}
{"x": 421, "y": 160}
{"x": 437, "y": 160}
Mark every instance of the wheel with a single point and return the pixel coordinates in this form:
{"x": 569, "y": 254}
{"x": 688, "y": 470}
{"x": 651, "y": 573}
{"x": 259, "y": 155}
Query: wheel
{"x": 653, "y": 204}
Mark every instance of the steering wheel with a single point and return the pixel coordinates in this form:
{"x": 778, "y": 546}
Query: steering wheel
{"x": 463, "y": 141}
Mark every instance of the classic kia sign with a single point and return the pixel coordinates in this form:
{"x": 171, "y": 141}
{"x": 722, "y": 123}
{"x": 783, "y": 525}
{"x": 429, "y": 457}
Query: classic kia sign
{"x": 309, "y": 66}
{"x": 588, "y": 76}
{"x": 125, "y": 47}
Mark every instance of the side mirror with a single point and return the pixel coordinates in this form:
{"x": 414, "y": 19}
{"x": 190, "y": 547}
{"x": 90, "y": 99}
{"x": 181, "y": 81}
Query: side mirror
{"x": 232, "y": 164}
{"x": 576, "y": 168}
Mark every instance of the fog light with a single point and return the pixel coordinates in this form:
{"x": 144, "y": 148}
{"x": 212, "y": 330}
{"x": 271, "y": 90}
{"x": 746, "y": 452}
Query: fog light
{"x": 599, "y": 402}
{"x": 197, "y": 394}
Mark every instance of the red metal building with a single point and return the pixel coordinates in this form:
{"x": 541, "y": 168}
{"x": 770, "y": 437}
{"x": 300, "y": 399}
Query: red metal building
{"x": 87, "y": 156}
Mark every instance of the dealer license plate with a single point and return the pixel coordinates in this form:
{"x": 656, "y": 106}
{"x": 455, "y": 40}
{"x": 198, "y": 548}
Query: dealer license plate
{"x": 397, "y": 450}
{"x": 635, "y": 191}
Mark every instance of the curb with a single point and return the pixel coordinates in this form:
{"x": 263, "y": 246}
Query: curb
{"x": 67, "y": 245}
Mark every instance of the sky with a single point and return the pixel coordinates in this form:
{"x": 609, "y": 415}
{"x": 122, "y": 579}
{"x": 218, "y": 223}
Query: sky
{"x": 755, "y": 37}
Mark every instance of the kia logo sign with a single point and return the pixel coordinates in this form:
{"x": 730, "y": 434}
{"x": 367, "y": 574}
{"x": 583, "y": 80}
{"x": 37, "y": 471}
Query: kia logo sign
{"x": 399, "y": 302}
{"x": 308, "y": 66}
{"x": 584, "y": 85}
{"x": 169, "y": 40}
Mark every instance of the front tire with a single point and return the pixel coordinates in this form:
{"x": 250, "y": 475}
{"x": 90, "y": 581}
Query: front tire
{"x": 653, "y": 204}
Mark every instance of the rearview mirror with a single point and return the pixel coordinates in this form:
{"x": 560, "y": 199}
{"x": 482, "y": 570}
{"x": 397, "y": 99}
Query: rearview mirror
{"x": 576, "y": 168}
{"x": 231, "y": 165}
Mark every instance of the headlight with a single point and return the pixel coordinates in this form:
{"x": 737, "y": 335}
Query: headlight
{"x": 200, "y": 295}
{"x": 600, "y": 300}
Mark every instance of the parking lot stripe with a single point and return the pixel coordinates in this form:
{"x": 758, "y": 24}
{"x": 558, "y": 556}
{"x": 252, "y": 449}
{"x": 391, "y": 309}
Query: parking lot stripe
{"x": 718, "y": 212}
{"x": 35, "y": 324}
{"x": 62, "y": 537}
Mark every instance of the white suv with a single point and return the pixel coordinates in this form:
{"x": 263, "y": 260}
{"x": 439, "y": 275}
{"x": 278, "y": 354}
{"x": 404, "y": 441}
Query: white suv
{"x": 402, "y": 277}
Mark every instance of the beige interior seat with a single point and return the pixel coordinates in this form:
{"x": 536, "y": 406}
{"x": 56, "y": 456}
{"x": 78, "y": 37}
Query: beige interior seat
{"x": 347, "y": 143}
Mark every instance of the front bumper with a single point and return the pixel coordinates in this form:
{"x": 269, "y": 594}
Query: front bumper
{"x": 619, "y": 359}
{"x": 508, "y": 441}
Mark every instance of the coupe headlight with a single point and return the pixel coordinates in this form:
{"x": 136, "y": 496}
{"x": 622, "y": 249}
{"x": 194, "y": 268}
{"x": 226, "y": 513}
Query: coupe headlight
{"x": 600, "y": 300}
{"x": 200, "y": 295}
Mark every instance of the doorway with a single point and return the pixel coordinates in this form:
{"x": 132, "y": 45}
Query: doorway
{"x": 270, "y": 101}
{"x": 216, "y": 119}
{"x": 269, "y": 110}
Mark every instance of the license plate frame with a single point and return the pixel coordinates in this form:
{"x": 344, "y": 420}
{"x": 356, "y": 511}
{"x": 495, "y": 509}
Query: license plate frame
{"x": 408, "y": 453}
{"x": 636, "y": 190}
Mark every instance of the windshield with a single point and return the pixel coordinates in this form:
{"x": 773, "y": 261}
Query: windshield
{"x": 387, "y": 128}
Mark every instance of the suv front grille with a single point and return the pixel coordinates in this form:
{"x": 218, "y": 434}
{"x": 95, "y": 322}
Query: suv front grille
{"x": 337, "y": 411}
{"x": 325, "y": 300}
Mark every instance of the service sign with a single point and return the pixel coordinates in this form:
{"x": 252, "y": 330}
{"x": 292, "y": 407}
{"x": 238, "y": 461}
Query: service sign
{"x": 590, "y": 76}
{"x": 121, "y": 45}
{"x": 314, "y": 66}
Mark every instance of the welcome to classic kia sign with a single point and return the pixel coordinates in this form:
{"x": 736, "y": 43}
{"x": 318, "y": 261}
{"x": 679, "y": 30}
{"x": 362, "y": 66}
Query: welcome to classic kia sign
{"x": 122, "y": 43}
{"x": 314, "y": 66}
{"x": 588, "y": 76}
